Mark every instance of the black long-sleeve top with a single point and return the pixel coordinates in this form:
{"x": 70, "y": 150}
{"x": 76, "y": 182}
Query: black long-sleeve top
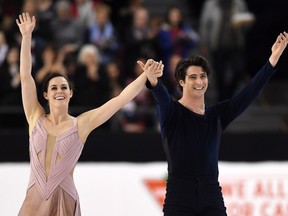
{"x": 191, "y": 141}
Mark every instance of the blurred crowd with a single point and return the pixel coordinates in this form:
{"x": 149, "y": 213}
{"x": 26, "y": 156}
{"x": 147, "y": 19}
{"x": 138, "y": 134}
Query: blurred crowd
{"x": 97, "y": 45}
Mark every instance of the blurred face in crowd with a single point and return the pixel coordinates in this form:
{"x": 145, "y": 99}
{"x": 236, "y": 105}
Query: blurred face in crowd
{"x": 13, "y": 56}
{"x": 49, "y": 55}
{"x": 175, "y": 16}
{"x": 90, "y": 59}
{"x": 172, "y": 65}
{"x": 141, "y": 18}
{"x": 2, "y": 38}
{"x": 89, "y": 55}
{"x": 102, "y": 14}
{"x": 113, "y": 70}
{"x": 63, "y": 10}
{"x": 30, "y": 6}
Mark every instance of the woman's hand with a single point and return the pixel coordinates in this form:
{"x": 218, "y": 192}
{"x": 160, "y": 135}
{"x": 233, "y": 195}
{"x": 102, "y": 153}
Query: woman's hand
{"x": 25, "y": 23}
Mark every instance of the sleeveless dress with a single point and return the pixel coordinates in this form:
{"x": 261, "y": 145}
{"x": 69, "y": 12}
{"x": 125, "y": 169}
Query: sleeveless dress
{"x": 54, "y": 194}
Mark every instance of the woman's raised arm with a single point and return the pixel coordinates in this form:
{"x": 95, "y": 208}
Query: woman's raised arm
{"x": 94, "y": 118}
{"x": 32, "y": 108}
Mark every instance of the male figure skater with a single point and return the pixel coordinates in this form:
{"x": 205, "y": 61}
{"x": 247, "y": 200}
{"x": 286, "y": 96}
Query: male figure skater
{"x": 191, "y": 132}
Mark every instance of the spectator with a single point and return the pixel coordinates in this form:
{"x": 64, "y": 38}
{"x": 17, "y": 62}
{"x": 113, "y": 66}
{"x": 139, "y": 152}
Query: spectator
{"x": 176, "y": 37}
{"x": 4, "y": 47}
{"x": 90, "y": 78}
{"x": 83, "y": 11}
{"x": 116, "y": 83}
{"x": 170, "y": 82}
{"x": 68, "y": 35}
{"x": 67, "y": 32}
{"x": 30, "y": 6}
{"x": 102, "y": 33}
{"x": 126, "y": 17}
{"x": 45, "y": 13}
{"x": 139, "y": 40}
{"x": 222, "y": 30}
{"x": 9, "y": 29}
{"x": 51, "y": 62}
{"x": 10, "y": 91}
{"x": 135, "y": 116}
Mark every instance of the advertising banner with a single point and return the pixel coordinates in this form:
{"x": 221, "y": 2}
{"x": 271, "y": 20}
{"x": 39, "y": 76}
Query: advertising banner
{"x": 127, "y": 189}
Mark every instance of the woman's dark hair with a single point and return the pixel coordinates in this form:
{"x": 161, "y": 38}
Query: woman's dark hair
{"x": 194, "y": 60}
{"x": 51, "y": 76}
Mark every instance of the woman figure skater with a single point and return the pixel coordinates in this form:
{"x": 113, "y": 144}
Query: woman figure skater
{"x": 191, "y": 133}
{"x": 57, "y": 138}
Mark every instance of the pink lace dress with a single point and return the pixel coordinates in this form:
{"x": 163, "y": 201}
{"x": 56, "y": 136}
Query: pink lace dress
{"x": 53, "y": 193}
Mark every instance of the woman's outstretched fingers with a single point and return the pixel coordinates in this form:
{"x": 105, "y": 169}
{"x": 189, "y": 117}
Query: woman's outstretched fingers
{"x": 141, "y": 64}
{"x": 21, "y": 18}
{"x": 28, "y": 17}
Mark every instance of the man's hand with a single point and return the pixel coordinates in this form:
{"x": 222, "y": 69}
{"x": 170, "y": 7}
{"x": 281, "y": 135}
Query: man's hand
{"x": 278, "y": 48}
{"x": 153, "y": 70}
